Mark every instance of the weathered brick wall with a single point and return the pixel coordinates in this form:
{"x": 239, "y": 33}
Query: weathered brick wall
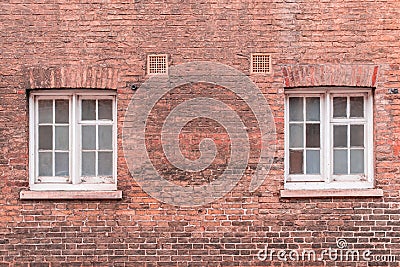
{"x": 104, "y": 44}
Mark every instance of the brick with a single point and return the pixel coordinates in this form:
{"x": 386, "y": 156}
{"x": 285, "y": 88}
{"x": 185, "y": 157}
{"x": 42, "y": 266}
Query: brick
{"x": 104, "y": 45}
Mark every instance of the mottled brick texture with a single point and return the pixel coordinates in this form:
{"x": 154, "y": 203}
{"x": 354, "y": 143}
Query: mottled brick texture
{"x": 104, "y": 44}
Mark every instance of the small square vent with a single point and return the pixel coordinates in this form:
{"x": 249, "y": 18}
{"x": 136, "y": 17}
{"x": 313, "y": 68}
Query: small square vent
{"x": 260, "y": 63}
{"x": 157, "y": 64}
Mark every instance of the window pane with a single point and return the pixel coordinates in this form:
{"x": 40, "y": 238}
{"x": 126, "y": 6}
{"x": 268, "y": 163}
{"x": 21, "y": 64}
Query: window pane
{"x": 89, "y": 137}
{"x": 46, "y": 137}
{"x": 312, "y": 135}
{"x": 357, "y": 135}
{"x": 357, "y": 161}
{"x": 339, "y": 107}
{"x": 339, "y": 161}
{"x": 88, "y": 109}
{"x": 62, "y": 111}
{"x": 45, "y": 164}
{"x": 340, "y": 135}
{"x": 62, "y": 137}
{"x": 62, "y": 164}
{"x": 88, "y": 164}
{"x": 357, "y": 106}
{"x": 295, "y": 109}
{"x": 312, "y": 109}
{"x": 105, "y": 163}
{"x": 296, "y": 162}
{"x": 105, "y": 109}
{"x": 312, "y": 162}
{"x": 296, "y": 135}
{"x": 45, "y": 111}
{"x": 105, "y": 137}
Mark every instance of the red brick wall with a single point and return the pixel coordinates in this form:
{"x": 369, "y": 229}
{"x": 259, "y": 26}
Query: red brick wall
{"x": 104, "y": 44}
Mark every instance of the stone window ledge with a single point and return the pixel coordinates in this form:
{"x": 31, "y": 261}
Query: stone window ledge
{"x": 332, "y": 193}
{"x": 72, "y": 195}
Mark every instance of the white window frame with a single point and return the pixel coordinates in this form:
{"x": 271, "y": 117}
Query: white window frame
{"x": 326, "y": 180}
{"x": 75, "y": 97}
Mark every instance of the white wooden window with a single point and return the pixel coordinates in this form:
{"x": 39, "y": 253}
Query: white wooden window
{"x": 72, "y": 140}
{"x": 329, "y": 139}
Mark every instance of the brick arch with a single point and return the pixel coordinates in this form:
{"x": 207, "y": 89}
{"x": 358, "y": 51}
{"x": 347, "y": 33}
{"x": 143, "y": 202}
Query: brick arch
{"x": 72, "y": 77}
{"x": 363, "y": 75}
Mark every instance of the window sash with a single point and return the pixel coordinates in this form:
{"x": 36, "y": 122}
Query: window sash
{"x": 53, "y": 150}
{"x": 348, "y": 122}
{"x": 73, "y": 181}
{"x": 305, "y": 177}
{"x": 327, "y": 179}
{"x": 97, "y": 123}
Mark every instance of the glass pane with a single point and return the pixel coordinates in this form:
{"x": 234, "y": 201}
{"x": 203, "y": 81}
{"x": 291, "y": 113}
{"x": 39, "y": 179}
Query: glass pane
{"x": 88, "y": 164}
{"x": 105, "y": 137}
{"x": 357, "y": 161}
{"x": 62, "y": 164}
{"x": 45, "y": 164}
{"x": 296, "y": 135}
{"x": 45, "y": 111}
{"x": 357, "y": 135}
{"x": 62, "y": 111}
{"x": 88, "y": 109}
{"x": 312, "y": 163}
{"x": 312, "y": 135}
{"x": 105, "y": 109}
{"x": 295, "y": 109}
{"x": 340, "y": 135}
{"x": 105, "y": 163}
{"x": 46, "y": 137}
{"x": 339, "y": 107}
{"x": 296, "y": 162}
{"x": 339, "y": 161}
{"x": 312, "y": 109}
{"x": 89, "y": 137}
{"x": 357, "y": 106}
{"x": 62, "y": 138}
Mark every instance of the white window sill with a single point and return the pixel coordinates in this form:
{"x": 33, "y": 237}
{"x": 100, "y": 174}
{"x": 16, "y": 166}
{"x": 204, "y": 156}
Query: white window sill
{"x": 335, "y": 185}
{"x": 73, "y": 187}
{"x": 88, "y": 195}
{"x": 332, "y": 193}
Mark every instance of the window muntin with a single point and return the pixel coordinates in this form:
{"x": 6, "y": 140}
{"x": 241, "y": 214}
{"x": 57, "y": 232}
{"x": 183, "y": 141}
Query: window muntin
{"x": 335, "y": 136}
{"x": 73, "y": 140}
